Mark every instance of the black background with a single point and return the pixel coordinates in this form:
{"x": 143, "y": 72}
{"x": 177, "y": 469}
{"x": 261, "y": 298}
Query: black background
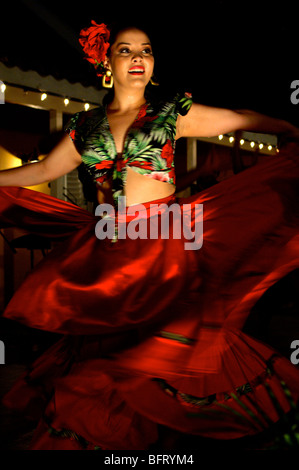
{"x": 229, "y": 54}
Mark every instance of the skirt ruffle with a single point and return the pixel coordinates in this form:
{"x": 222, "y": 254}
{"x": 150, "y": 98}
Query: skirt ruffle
{"x": 152, "y": 329}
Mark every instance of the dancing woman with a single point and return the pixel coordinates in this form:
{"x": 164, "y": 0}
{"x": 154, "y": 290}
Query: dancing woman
{"x": 152, "y": 331}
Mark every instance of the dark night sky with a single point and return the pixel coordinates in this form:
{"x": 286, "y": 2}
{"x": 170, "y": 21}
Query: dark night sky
{"x": 230, "y": 54}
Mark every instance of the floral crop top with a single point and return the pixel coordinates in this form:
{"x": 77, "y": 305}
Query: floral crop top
{"x": 148, "y": 149}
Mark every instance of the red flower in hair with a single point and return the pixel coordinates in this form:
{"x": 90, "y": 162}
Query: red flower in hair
{"x": 94, "y": 41}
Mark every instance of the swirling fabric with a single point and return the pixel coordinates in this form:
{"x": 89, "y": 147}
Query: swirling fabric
{"x": 153, "y": 330}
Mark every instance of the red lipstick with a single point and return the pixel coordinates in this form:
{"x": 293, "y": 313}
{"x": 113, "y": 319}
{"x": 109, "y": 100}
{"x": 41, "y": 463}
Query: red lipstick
{"x": 137, "y": 70}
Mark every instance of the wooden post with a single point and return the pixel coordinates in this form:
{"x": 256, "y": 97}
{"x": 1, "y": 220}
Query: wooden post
{"x": 237, "y": 161}
{"x": 191, "y": 153}
{"x": 56, "y": 125}
{"x": 191, "y": 161}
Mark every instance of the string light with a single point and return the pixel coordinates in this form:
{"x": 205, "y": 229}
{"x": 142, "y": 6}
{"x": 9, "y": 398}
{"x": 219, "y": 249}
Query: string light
{"x": 44, "y": 95}
{"x": 251, "y": 143}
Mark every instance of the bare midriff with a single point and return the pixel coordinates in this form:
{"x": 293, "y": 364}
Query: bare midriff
{"x": 138, "y": 189}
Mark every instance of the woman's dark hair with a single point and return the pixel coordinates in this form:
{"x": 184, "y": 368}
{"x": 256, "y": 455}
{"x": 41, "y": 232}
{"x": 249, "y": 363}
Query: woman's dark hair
{"x": 116, "y": 28}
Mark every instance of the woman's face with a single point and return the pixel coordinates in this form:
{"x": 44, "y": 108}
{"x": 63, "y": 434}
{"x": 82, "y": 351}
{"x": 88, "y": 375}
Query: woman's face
{"x": 131, "y": 59}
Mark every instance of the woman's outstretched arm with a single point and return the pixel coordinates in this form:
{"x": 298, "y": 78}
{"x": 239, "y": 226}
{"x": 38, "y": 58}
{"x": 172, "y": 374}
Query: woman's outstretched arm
{"x": 207, "y": 121}
{"x": 60, "y": 161}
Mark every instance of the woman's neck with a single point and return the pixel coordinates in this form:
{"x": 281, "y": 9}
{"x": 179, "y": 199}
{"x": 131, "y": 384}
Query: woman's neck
{"x": 125, "y": 101}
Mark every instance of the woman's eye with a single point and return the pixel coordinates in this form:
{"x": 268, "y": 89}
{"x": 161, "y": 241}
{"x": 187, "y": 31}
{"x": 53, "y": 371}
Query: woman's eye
{"x": 126, "y": 50}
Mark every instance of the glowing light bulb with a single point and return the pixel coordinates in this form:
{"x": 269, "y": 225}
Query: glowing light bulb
{"x": 3, "y": 88}
{"x": 44, "y": 96}
{"x": 252, "y": 144}
{"x": 242, "y": 142}
{"x": 66, "y": 101}
{"x": 261, "y": 146}
{"x": 231, "y": 139}
{"x": 220, "y": 137}
{"x": 86, "y": 106}
{"x": 270, "y": 148}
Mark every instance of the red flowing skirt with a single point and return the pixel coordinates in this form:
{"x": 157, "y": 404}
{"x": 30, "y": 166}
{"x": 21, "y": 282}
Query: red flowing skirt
{"x": 152, "y": 330}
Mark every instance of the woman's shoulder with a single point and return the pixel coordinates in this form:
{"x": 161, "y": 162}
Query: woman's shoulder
{"x": 182, "y": 102}
{"x": 178, "y": 102}
{"x": 84, "y": 121}
{"x": 88, "y": 116}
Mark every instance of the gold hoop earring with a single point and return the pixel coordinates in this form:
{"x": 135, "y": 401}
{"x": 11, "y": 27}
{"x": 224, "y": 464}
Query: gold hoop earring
{"x": 153, "y": 81}
{"x": 107, "y": 80}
